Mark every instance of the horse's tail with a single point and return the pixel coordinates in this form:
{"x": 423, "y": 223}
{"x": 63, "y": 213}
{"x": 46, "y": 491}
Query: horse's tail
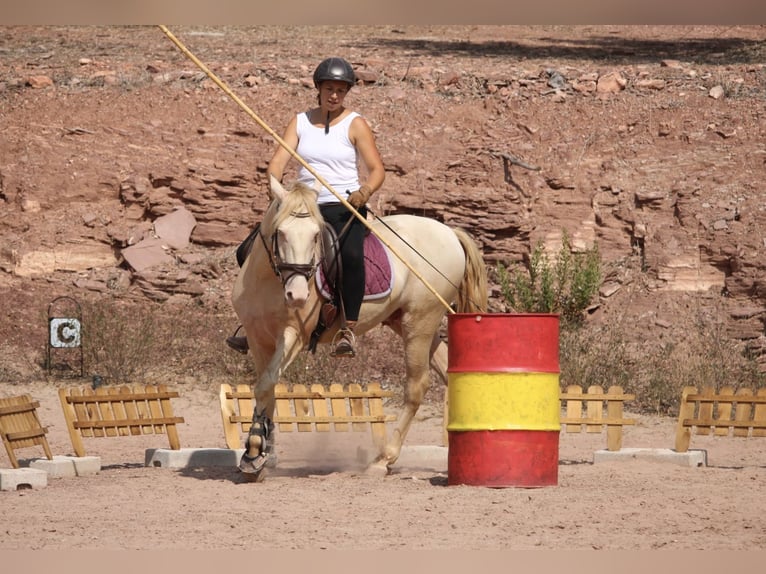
{"x": 472, "y": 294}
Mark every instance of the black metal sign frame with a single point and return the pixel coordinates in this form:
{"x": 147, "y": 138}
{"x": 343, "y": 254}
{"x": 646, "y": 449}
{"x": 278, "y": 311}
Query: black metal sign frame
{"x": 64, "y": 332}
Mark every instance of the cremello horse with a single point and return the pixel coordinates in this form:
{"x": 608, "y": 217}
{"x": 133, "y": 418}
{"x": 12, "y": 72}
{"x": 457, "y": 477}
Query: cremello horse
{"x": 279, "y": 304}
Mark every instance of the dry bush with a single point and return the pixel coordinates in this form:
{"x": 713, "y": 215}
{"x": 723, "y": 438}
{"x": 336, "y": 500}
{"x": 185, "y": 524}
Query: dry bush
{"x": 704, "y": 357}
{"x": 656, "y": 372}
{"x": 120, "y": 341}
{"x": 129, "y": 342}
{"x": 379, "y": 358}
{"x": 611, "y": 354}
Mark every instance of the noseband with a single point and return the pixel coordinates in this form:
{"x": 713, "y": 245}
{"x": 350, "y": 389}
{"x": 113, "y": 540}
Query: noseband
{"x": 285, "y": 270}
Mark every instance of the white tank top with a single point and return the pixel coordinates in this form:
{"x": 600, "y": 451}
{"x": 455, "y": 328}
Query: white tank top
{"x": 331, "y": 155}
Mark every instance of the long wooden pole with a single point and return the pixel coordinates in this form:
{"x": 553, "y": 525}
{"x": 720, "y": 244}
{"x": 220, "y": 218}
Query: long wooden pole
{"x": 295, "y": 154}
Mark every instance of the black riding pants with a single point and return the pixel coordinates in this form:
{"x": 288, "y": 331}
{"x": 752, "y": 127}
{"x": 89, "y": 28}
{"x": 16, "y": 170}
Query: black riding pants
{"x": 352, "y": 254}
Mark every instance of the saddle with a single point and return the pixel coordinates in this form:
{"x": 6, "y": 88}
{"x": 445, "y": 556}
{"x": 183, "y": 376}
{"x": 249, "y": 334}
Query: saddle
{"x": 377, "y": 267}
{"x": 378, "y": 282}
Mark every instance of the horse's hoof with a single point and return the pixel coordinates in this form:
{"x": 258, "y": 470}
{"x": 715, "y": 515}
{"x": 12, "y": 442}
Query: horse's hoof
{"x": 257, "y": 477}
{"x": 377, "y": 469}
{"x": 253, "y": 467}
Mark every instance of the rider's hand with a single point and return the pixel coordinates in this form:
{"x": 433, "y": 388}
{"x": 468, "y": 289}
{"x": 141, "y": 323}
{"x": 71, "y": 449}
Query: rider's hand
{"x": 359, "y": 197}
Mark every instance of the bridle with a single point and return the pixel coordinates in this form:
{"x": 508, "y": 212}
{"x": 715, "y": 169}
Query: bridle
{"x": 285, "y": 270}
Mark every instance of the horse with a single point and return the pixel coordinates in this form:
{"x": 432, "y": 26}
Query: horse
{"x": 276, "y": 297}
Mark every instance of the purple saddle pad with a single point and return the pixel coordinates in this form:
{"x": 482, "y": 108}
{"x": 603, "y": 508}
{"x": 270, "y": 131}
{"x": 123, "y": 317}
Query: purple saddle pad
{"x": 377, "y": 268}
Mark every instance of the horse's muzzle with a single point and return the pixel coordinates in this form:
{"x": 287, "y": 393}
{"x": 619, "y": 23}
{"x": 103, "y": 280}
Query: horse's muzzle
{"x": 297, "y": 290}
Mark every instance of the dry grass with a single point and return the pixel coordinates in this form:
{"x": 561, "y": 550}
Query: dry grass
{"x": 125, "y": 342}
{"x": 129, "y": 342}
{"x": 657, "y": 371}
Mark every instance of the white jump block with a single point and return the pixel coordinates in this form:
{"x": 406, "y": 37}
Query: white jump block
{"x": 66, "y": 466}
{"x": 423, "y": 457}
{"x": 192, "y": 457}
{"x": 16, "y": 478}
{"x": 691, "y": 458}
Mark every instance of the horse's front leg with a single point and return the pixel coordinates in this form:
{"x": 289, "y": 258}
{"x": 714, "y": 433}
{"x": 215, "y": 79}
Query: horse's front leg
{"x": 259, "y": 446}
{"x": 259, "y": 451}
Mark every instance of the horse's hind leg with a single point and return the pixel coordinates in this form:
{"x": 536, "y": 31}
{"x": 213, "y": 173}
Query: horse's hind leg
{"x": 417, "y": 353}
{"x": 440, "y": 364}
{"x": 439, "y": 358}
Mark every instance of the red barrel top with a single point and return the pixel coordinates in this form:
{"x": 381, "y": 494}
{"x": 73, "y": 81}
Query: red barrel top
{"x": 503, "y": 342}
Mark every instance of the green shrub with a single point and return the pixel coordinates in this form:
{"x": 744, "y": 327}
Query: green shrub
{"x": 565, "y": 286}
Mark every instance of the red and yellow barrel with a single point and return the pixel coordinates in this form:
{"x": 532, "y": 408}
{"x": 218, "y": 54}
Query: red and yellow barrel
{"x": 503, "y": 399}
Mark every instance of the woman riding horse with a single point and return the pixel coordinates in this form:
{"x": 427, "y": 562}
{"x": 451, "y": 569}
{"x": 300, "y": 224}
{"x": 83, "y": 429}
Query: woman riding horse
{"x": 279, "y": 303}
{"x": 331, "y": 139}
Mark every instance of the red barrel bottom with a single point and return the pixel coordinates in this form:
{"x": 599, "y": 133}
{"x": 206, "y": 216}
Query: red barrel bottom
{"x": 503, "y": 458}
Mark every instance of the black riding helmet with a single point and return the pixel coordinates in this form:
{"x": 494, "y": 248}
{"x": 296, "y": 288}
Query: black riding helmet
{"x": 334, "y": 69}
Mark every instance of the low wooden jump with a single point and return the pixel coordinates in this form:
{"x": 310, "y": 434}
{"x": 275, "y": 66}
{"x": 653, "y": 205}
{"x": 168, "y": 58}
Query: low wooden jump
{"x": 718, "y": 413}
{"x": 318, "y": 408}
{"x": 592, "y": 419}
{"x": 20, "y": 427}
{"x": 119, "y": 411}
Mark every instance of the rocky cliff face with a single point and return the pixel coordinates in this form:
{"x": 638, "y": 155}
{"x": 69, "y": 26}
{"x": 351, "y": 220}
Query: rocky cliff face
{"x": 648, "y": 143}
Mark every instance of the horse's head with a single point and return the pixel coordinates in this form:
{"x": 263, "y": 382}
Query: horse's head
{"x": 293, "y": 225}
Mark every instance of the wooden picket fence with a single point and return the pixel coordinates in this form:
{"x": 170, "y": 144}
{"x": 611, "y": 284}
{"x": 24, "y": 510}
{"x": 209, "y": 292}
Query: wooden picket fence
{"x": 321, "y": 408}
{"x": 601, "y": 410}
{"x": 119, "y": 411}
{"x": 20, "y": 426}
{"x": 318, "y": 408}
{"x": 742, "y": 412}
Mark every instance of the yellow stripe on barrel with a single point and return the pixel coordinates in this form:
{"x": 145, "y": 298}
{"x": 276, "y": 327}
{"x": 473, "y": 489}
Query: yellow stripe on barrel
{"x": 503, "y": 401}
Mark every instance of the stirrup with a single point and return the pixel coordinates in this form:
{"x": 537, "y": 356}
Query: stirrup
{"x": 239, "y": 344}
{"x": 343, "y": 344}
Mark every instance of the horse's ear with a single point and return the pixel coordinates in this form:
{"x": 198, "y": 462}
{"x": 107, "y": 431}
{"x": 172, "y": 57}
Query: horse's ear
{"x": 277, "y": 191}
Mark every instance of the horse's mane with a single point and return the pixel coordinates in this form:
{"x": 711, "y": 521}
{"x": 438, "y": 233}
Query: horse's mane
{"x": 300, "y": 198}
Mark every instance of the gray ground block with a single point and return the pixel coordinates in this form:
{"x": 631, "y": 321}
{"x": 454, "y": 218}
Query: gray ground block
{"x": 192, "y": 457}
{"x": 691, "y": 458}
{"x": 64, "y": 466}
{"x": 421, "y": 457}
{"x": 16, "y": 478}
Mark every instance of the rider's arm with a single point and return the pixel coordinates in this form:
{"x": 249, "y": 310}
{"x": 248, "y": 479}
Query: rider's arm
{"x": 281, "y": 156}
